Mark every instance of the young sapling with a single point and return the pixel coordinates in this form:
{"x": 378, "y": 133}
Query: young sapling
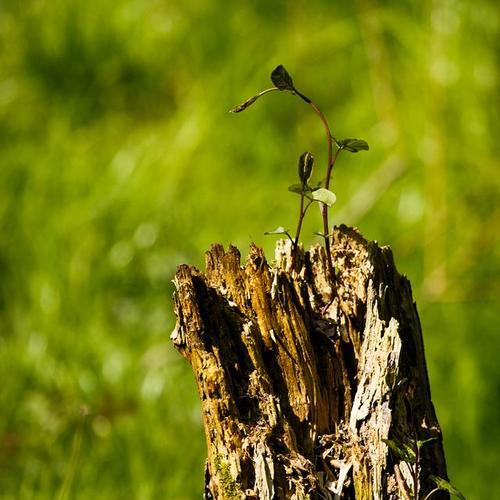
{"x": 321, "y": 193}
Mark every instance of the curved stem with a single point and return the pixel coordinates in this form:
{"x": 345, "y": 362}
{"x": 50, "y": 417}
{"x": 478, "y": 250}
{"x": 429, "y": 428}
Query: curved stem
{"x": 244, "y": 105}
{"x": 435, "y": 490}
{"x": 329, "y": 139}
{"x": 264, "y": 92}
{"x": 331, "y": 162}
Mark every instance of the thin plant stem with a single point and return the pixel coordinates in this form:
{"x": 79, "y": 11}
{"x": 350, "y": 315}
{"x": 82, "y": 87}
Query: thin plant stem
{"x": 435, "y": 490}
{"x": 417, "y": 464}
{"x": 326, "y": 225}
{"x": 331, "y": 163}
{"x": 264, "y": 92}
{"x": 416, "y": 473}
{"x": 302, "y": 215}
{"x": 299, "y": 225}
{"x": 329, "y": 173}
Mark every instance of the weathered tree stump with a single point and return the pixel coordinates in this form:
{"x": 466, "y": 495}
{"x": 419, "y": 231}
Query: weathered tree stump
{"x": 302, "y": 377}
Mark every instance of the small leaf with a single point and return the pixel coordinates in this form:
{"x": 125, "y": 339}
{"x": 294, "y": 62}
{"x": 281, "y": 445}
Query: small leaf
{"x": 426, "y": 441}
{"x": 306, "y": 162}
{"x": 442, "y": 484}
{"x": 278, "y": 230}
{"x": 282, "y": 79}
{"x": 323, "y": 235}
{"x": 297, "y": 188}
{"x": 244, "y": 105}
{"x": 410, "y": 453}
{"x": 302, "y": 188}
{"x": 401, "y": 451}
{"x": 251, "y": 100}
{"x": 353, "y": 145}
{"x": 324, "y": 196}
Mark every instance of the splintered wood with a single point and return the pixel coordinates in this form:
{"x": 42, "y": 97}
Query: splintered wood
{"x": 301, "y": 377}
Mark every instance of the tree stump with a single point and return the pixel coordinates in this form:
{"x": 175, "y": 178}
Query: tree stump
{"x": 303, "y": 377}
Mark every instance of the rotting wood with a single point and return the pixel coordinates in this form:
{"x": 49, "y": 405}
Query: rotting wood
{"x": 301, "y": 379}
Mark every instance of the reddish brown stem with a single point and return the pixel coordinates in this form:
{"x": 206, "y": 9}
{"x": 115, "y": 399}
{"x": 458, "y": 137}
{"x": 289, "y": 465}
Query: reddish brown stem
{"x": 331, "y": 162}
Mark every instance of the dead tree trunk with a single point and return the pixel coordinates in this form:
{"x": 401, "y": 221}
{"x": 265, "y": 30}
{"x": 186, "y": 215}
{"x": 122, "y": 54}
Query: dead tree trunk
{"x": 302, "y": 378}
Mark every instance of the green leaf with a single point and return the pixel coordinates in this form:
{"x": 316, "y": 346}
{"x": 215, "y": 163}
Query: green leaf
{"x": 442, "y": 484}
{"x": 303, "y": 189}
{"x": 401, "y": 451}
{"x": 410, "y": 452}
{"x": 324, "y": 196}
{"x": 297, "y": 188}
{"x": 278, "y": 230}
{"x": 426, "y": 441}
{"x": 323, "y": 235}
{"x": 306, "y": 162}
{"x": 353, "y": 145}
{"x": 282, "y": 79}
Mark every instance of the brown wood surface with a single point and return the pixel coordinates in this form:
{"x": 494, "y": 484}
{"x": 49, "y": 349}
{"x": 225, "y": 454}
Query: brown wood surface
{"x": 301, "y": 376}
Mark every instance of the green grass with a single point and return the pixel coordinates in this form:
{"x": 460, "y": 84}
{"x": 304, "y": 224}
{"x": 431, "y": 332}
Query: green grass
{"x": 119, "y": 161}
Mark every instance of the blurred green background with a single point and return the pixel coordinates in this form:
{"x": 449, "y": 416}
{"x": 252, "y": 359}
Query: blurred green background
{"x": 119, "y": 161}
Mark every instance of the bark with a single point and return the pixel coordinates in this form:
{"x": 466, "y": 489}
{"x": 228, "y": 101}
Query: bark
{"x": 302, "y": 377}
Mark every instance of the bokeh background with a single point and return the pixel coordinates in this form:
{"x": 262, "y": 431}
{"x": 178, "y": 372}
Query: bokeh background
{"x": 119, "y": 161}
